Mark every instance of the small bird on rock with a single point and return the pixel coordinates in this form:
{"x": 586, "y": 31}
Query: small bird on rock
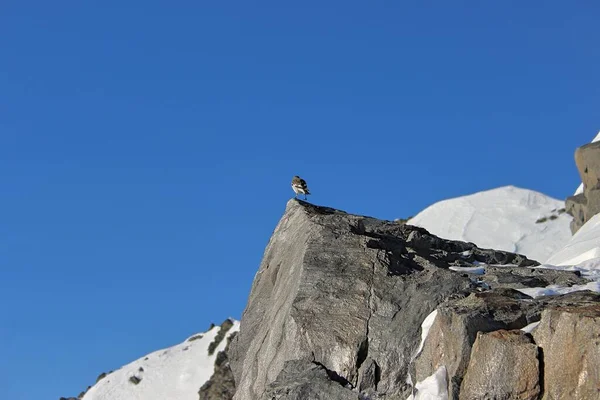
{"x": 299, "y": 186}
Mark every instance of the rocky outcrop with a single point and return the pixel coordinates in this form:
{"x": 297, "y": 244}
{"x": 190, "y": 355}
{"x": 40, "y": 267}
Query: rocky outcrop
{"x": 339, "y": 299}
{"x": 503, "y": 365}
{"x": 221, "y": 385}
{"x": 518, "y": 278}
{"x": 584, "y": 206}
{"x": 569, "y": 338}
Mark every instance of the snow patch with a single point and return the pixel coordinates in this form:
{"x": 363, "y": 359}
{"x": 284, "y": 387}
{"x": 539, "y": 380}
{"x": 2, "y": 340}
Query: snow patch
{"x": 529, "y": 328}
{"x": 434, "y": 387}
{"x": 425, "y": 327}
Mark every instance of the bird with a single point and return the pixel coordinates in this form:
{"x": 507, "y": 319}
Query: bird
{"x": 299, "y": 186}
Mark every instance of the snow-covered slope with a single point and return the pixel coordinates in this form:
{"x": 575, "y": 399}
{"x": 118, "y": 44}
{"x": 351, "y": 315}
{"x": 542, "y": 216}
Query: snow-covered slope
{"x": 174, "y": 373}
{"x": 507, "y": 218}
{"x": 580, "y": 188}
{"x": 582, "y": 252}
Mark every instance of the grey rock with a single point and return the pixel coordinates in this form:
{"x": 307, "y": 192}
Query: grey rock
{"x": 368, "y": 376}
{"x": 303, "y": 380}
{"x": 569, "y": 337}
{"x": 504, "y": 365}
{"x": 349, "y": 293}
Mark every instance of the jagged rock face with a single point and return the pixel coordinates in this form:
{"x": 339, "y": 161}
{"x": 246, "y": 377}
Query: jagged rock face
{"x": 585, "y": 205}
{"x": 517, "y": 278}
{"x": 348, "y": 294}
{"x": 569, "y": 337}
{"x": 503, "y": 365}
{"x": 456, "y": 326}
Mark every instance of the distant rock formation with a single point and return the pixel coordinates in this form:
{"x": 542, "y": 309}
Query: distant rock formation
{"x": 221, "y": 385}
{"x": 337, "y": 305}
{"x": 584, "y": 205}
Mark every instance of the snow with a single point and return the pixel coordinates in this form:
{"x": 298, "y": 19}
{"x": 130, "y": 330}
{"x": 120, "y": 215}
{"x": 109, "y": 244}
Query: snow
{"x": 425, "y": 326}
{"x": 555, "y": 289}
{"x": 503, "y": 219}
{"x": 434, "y": 387}
{"x": 471, "y": 270}
{"x": 529, "y": 328}
{"x": 580, "y": 188}
{"x": 583, "y": 246}
{"x": 174, "y": 373}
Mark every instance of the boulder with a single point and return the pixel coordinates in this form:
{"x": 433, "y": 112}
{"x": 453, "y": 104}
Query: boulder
{"x": 569, "y": 338}
{"x": 456, "y": 326}
{"x": 503, "y": 365}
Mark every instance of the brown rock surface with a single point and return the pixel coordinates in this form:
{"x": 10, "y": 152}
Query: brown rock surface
{"x": 456, "y": 326}
{"x": 503, "y": 365}
{"x": 570, "y": 341}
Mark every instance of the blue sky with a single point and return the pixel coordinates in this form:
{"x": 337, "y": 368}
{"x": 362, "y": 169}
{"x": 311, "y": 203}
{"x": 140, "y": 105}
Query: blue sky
{"x": 147, "y": 148}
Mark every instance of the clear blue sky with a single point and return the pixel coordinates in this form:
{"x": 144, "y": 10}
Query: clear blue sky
{"x": 147, "y": 148}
